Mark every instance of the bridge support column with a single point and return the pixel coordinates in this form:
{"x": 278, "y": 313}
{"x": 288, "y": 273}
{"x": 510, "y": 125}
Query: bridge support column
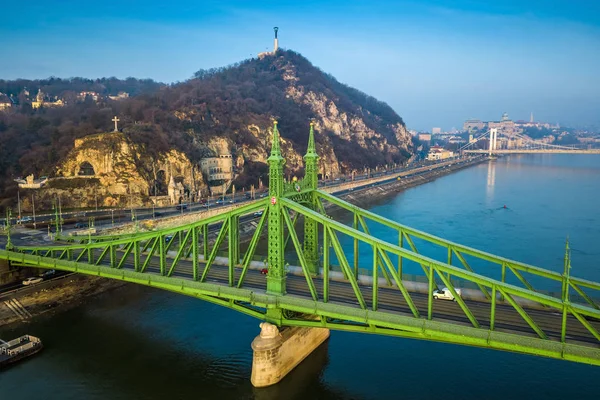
{"x": 277, "y": 352}
{"x": 276, "y": 277}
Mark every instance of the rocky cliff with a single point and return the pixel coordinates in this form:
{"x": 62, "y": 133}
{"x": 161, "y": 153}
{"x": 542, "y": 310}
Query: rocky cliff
{"x": 106, "y": 169}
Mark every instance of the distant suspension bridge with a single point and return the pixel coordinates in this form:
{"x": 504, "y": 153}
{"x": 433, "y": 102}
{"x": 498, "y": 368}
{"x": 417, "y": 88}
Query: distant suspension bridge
{"x": 517, "y": 144}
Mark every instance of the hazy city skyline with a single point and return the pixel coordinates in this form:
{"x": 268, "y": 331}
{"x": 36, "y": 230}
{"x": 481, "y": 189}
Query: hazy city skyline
{"x": 436, "y": 63}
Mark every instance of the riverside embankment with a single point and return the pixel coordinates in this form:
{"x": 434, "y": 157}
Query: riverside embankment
{"x": 358, "y": 192}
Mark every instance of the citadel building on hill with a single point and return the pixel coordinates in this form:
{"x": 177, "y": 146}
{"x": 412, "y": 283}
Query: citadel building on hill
{"x": 505, "y": 126}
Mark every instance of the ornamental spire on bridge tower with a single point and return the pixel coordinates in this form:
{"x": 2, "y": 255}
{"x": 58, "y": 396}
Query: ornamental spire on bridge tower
{"x": 311, "y": 160}
{"x": 276, "y": 272}
{"x": 275, "y": 149}
{"x": 311, "y": 180}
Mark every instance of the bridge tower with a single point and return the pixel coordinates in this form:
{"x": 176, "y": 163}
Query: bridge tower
{"x": 493, "y": 140}
{"x": 276, "y": 270}
{"x": 311, "y": 229}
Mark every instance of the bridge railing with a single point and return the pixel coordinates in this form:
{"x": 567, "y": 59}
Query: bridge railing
{"x": 195, "y": 242}
{"x": 240, "y": 210}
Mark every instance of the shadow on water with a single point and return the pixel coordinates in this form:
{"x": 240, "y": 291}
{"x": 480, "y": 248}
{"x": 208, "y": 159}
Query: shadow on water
{"x": 93, "y": 354}
{"x": 305, "y": 381}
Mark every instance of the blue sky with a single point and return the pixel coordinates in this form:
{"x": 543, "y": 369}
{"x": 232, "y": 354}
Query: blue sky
{"x": 435, "y": 62}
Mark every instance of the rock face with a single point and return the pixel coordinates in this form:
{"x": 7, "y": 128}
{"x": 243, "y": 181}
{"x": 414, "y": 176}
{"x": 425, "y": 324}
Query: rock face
{"x": 112, "y": 162}
{"x": 117, "y": 174}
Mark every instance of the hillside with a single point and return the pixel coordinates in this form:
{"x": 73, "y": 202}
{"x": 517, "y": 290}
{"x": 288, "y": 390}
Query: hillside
{"x": 221, "y": 110}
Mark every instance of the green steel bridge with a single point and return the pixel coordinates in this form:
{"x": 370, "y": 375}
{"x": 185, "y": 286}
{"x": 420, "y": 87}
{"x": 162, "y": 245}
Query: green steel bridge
{"x": 503, "y": 304}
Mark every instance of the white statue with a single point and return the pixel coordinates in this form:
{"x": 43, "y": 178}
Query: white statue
{"x": 268, "y": 331}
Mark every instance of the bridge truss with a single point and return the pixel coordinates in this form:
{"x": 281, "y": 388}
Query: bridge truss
{"x": 342, "y": 277}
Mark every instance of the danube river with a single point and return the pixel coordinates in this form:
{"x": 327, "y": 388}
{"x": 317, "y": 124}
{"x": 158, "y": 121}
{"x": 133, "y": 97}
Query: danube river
{"x": 138, "y": 343}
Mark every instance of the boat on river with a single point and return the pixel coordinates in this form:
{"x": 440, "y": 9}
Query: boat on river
{"x": 18, "y": 349}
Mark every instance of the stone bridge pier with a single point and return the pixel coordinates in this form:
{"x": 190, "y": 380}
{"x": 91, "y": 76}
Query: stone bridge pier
{"x": 277, "y": 352}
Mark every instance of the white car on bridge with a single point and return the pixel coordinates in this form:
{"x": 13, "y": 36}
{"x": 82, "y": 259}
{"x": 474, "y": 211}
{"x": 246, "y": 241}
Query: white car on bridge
{"x": 32, "y": 281}
{"x": 445, "y": 294}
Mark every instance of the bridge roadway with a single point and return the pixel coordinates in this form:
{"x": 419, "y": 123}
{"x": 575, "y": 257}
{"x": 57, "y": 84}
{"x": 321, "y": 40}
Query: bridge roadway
{"x": 390, "y": 299}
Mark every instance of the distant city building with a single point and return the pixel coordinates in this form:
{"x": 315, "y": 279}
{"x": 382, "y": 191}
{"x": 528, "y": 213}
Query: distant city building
{"x": 456, "y": 139}
{"x": 42, "y": 100}
{"x": 120, "y": 96}
{"x": 532, "y": 124}
{"x": 5, "y": 102}
{"x": 424, "y": 137}
{"x": 218, "y": 172}
{"x": 436, "y": 131}
{"x": 439, "y": 153}
{"x": 505, "y": 126}
{"x": 81, "y": 96}
{"x": 471, "y": 125}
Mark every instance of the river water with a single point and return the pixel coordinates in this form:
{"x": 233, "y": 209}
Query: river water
{"x": 139, "y": 343}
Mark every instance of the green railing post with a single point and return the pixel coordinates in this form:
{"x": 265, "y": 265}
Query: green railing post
{"x": 113, "y": 256}
{"x": 136, "y": 256}
{"x": 565, "y": 291}
{"x": 449, "y": 259}
{"x": 400, "y": 244}
{"x": 231, "y": 250}
{"x": 195, "y": 253}
{"x": 235, "y": 226}
{"x": 503, "y": 279}
{"x": 161, "y": 254}
{"x": 375, "y": 277}
{"x": 493, "y": 310}
{"x": 430, "y": 293}
{"x": 325, "y": 265}
{"x": 355, "y": 226}
{"x": 205, "y": 241}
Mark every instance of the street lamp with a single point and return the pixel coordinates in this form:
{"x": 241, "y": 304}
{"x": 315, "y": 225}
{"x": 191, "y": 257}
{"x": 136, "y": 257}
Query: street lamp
{"x": 19, "y": 204}
{"x": 9, "y": 245}
{"x": 55, "y": 208}
{"x": 33, "y": 207}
